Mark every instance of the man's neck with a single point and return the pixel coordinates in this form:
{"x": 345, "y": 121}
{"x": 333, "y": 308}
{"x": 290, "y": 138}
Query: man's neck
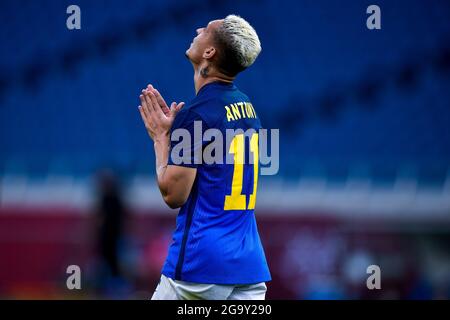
{"x": 201, "y": 78}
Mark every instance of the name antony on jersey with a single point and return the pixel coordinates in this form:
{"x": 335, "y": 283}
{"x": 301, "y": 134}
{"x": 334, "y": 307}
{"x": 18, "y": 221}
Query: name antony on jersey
{"x": 239, "y": 110}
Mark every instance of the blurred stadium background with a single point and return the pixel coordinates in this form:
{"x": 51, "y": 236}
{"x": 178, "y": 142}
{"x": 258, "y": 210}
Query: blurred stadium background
{"x": 364, "y": 157}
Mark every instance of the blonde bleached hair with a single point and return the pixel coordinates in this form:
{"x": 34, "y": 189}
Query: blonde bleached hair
{"x": 239, "y": 44}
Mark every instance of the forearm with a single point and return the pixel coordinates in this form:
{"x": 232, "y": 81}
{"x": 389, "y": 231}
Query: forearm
{"x": 158, "y": 119}
{"x": 161, "y": 145}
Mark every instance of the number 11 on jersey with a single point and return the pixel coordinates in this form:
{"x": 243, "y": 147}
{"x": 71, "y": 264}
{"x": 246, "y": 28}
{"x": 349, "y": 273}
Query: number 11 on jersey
{"x": 237, "y": 200}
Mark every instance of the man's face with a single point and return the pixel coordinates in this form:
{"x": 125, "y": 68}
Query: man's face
{"x": 202, "y": 42}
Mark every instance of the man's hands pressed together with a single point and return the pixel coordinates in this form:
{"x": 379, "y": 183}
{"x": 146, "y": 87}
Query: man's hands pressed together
{"x": 155, "y": 113}
{"x": 174, "y": 182}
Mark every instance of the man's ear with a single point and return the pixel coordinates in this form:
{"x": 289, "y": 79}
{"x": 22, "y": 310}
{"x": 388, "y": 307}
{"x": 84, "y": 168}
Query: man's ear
{"x": 209, "y": 53}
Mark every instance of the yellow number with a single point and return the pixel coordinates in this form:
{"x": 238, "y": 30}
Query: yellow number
{"x": 237, "y": 200}
{"x": 254, "y": 149}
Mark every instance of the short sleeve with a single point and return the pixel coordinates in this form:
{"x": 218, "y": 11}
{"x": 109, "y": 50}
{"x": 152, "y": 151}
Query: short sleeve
{"x": 186, "y": 143}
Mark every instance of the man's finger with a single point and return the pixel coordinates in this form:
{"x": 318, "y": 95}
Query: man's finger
{"x": 175, "y": 108}
{"x": 144, "y": 106}
{"x": 161, "y": 101}
{"x": 180, "y": 106}
{"x": 147, "y": 123}
{"x": 153, "y": 107}
{"x": 157, "y": 109}
{"x": 149, "y": 102}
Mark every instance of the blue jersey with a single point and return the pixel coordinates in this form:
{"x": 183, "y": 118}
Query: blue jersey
{"x": 216, "y": 238}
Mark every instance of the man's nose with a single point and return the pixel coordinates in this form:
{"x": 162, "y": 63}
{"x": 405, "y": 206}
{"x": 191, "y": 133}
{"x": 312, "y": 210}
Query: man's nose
{"x": 199, "y": 30}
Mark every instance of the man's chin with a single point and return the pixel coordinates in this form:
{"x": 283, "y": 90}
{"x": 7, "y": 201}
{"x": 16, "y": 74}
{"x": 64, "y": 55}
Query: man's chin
{"x": 187, "y": 54}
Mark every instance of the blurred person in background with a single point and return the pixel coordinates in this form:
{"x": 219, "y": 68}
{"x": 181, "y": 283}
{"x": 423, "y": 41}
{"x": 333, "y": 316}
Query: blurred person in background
{"x": 111, "y": 216}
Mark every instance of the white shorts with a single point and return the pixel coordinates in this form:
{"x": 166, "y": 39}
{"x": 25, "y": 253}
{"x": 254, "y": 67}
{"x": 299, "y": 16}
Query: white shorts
{"x": 169, "y": 289}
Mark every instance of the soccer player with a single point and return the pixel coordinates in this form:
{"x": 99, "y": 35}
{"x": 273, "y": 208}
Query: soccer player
{"x": 216, "y": 251}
